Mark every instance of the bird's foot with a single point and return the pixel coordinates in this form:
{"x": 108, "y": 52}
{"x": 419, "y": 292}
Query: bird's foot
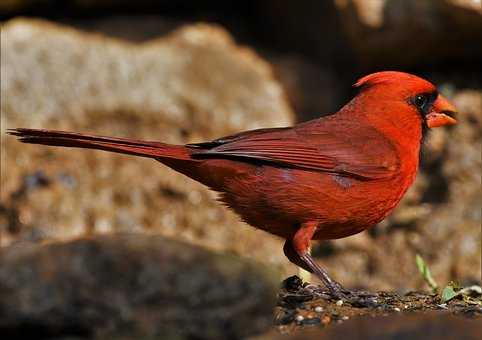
{"x": 358, "y": 298}
{"x": 335, "y": 291}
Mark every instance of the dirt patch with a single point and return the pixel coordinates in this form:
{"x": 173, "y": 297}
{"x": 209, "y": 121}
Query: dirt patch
{"x": 301, "y": 305}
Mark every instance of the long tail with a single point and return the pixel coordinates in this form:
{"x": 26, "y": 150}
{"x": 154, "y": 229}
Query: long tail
{"x": 119, "y": 145}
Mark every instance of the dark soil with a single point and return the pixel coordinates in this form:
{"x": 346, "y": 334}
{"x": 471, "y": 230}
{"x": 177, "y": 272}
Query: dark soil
{"x": 302, "y": 304}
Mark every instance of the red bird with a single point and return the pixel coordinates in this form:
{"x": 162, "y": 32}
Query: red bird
{"x": 327, "y": 178}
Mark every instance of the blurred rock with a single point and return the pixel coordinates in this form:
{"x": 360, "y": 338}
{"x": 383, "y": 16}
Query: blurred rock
{"x": 133, "y": 286}
{"x": 310, "y": 27}
{"x": 359, "y": 35}
{"x": 50, "y": 70}
{"x": 192, "y": 85}
{"x": 427, "y": 32}
{"x": 313, "y": 90}
{"x": 430, "y": 326}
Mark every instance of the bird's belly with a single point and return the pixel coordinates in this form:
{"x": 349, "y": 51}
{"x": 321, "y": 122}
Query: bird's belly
{"x": 278, "y": 200}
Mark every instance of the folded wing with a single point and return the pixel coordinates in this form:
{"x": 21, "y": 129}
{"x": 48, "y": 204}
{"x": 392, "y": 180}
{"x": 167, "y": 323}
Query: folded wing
{"x": 343, "y": 148}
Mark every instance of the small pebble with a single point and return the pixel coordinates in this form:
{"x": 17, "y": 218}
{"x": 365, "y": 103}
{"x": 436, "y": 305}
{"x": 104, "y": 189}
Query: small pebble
{"x": 396, "y": 309}
{"x": 318, "y": 309}
{"x": 299, "y": 318}
{"x": 310, "y": 315}
{"x": 339, "y": 303}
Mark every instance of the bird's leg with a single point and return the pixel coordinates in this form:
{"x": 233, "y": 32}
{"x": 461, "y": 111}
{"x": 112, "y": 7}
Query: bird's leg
{"x": 297, "y": 250}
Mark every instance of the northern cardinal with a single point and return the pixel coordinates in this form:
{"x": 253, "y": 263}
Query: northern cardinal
{"x": 327, "y": 178}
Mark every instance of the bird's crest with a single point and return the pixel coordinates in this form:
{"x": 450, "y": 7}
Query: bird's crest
{"x": 385, "y": 77}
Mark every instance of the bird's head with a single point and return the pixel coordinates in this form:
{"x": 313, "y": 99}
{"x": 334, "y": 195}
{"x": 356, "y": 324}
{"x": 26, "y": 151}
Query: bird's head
{"x": 407, "y": 97}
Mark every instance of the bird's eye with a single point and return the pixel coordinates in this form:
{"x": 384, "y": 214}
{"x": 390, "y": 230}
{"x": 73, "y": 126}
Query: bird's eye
{"x": 421, "y": 101}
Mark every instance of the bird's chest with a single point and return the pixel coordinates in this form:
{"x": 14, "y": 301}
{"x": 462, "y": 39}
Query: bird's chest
{"x": 355, "y": 205}
{"x": 361, "y": 202}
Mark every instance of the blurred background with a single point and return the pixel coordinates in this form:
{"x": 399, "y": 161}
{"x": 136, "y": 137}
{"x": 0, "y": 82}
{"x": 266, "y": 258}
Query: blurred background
{"x": 186, "y": 71}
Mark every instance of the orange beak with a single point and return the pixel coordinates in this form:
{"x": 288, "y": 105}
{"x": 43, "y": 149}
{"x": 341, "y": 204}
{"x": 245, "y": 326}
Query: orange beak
{"x": 441, "y": 113}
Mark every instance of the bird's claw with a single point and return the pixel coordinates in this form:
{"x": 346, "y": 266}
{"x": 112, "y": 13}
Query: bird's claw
{"x": 356, "y": 298}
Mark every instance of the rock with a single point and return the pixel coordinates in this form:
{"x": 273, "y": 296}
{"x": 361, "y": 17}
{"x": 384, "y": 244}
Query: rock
{"x": 426, "y": 31}
{"x": 55, "y": 71}
{"x": 360, "y": 36}
{"x": 194, "y": 84}
{"x": 431, "y": 326}
{"x": 132, "y": 286}
{"x": 311, "y": 28}
{"x": 313, "y": 90}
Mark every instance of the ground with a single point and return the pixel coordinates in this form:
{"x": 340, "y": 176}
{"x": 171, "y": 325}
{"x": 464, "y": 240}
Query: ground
{"x": 303, "y": 304}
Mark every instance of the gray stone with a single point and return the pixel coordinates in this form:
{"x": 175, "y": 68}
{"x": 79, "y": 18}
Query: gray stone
{"x": 135, "y": 284}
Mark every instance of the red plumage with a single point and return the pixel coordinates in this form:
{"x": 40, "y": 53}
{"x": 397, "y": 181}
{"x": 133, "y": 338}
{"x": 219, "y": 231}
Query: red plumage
{"x": 323, "y": 179}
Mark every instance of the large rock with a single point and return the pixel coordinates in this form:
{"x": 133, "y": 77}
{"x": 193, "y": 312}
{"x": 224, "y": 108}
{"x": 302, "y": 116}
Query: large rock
{"x": 405, "y": 33}
{"x": 312, "y": 90}
{"x": 417, "y": 326}
{"x": 310, "y": 27}
{"x": 356, "y": 35}
{"x": 132, "y": 286}
{"x": 196, "y": 75}
{"x": 192, "y": 85}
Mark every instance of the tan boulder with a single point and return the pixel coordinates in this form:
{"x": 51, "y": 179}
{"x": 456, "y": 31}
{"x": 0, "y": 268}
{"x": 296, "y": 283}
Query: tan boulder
{"x": 192, "y": 85}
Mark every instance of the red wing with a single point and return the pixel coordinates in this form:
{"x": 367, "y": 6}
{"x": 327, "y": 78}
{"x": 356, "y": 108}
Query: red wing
{"x": 236, "y": 137}
{"x": 318, "y": 146}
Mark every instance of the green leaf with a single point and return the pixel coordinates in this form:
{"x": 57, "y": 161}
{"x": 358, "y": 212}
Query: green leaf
{"x": 448, "y": 294}
{"x": 426, "y": 274}
{"x": 420, "y": 263}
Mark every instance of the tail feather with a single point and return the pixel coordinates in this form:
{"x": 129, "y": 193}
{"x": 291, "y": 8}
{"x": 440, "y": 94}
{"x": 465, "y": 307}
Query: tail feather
{"x": 135, "y": 147}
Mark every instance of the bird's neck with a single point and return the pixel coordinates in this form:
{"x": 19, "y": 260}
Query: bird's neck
{"x": 402, "y": 128}
{"x": 404, "y": 133}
